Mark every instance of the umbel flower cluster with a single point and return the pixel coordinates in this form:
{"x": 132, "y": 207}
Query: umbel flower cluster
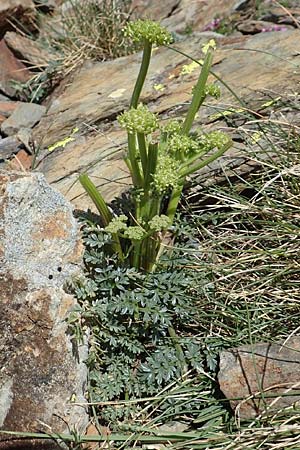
{"x": 176, "y": 151}
{"x": 159, "y": 157}
{"x": 149, "y": 31}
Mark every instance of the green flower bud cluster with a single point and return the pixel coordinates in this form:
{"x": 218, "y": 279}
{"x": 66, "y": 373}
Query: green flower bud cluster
{"x": 148, "y": 30}
{"x": 214, "y": 139}
{"x": 117, "y": 224}
{"x": 158, "y": 223}
{"x": 134, "y": 233}
{"x": 172, "y": 127}
{"x": 182, "y": 146}
{"x": 217, "y": 139}
{"x": 213, "y": 90}
{"x": 166, "y": 175}
{"x": 140, "y": 120}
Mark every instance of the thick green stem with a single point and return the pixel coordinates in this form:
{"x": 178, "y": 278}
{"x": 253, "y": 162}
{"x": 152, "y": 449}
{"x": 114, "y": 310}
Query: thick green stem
{"x": 143, "y": 152}
{"x": 132, "y": 154}
{"x": 199, "y": 94}
{"x": 97, "y": 198}
{"x": 106, "y": 215}
{"x": 173, "y": 202}
{"x": 142, "y": 74}
{"x": 152, "y": 162}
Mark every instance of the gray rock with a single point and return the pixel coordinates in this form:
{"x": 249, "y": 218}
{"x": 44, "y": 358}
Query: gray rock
{"x": 40, "y": 249}
{"x": 265, "y": 377}
{"x": 26, "y": 115}
{"x": 9, "y": 146}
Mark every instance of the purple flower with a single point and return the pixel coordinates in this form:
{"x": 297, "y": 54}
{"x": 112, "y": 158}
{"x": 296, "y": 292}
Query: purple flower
{"x": 274, "y": 28}
{"x": 211, "y": 26}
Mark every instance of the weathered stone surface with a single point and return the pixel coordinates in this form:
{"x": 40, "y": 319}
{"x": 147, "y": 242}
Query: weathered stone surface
{"x": 183, "y": 15}
{"x": 40, "y": 249}
{"x": 260, "y": 26}
{"x": 16, "y": 9}
{"x": 25, "y": 115}
{"x": 27, "y": 49}
{"x": 289, "y": 16}
{"x": 9, "y": 146}
{"x": 265, "y": 377}
{"x": 99, "y": 91}
{"x": 11, "y": 69}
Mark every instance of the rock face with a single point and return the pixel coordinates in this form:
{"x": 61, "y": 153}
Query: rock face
{"x": 11, "y": 70}
{"x": 265, "y": 377}
{"x": 25, "y": 115}
{"x": 99, "y": 91}
{"x": 41, "y": 369}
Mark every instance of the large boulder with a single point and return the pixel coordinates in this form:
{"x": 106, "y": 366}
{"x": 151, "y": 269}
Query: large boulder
{"x": 42, "y": 368}
{"x": 262, "y": 378}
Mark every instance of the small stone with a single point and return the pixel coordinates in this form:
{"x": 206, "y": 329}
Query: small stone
{"x": 265, "y": 377}
{"x": 9, "y": 146}
{"x": 26, "y": 115}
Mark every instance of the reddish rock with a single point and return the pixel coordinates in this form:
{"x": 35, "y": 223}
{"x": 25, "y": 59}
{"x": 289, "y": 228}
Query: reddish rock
{"x": 264, "y": 377}
{"x": 21, "y": 161}
{"x": 11, "y": 69}
{"x": 7, "y": 108}
{"x": 27, "y": 49}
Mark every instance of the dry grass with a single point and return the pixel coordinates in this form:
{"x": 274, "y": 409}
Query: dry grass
{"x": 87, "y": 30}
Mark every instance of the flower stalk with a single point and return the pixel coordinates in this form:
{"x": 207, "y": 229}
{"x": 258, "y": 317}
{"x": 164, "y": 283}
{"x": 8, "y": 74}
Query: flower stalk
{"x": 158, "y": 166}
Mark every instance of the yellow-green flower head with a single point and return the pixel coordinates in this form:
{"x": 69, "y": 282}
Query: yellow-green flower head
{"x": 213, "y": 90}
{"x": 117, "y": 224}
{"x": 172, "y": 127}
{"x": 210, "y": 45}
{"x": 134, "y": 233}
{"x": 214, "y": 139}
{"x": 166, "y": 175}
{"x": 181, "y": 145}
{"x": 140, "y": 120}
{"x": 158, "y": 223}
{"x": 148, "y": 30}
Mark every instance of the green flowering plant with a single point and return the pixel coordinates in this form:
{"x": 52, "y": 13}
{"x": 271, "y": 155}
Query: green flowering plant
{"x": 159, "y": 158}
